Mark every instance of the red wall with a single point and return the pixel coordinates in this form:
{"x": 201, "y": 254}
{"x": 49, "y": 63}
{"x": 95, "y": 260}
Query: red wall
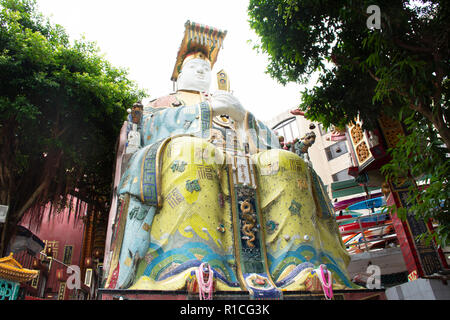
{"x": 63, "y": 229}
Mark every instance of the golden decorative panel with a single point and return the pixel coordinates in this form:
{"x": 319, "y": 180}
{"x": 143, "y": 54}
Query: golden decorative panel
{"x": 391, "y": 130}
{"x": 362, "y": 152}
{"x": 359, "y": 142}
{"x": 356, "y": 134}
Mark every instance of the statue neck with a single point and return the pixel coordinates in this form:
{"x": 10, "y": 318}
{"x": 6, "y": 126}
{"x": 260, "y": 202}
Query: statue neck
{"x": 190, "y": 97}
{"x": 189, "y": 91}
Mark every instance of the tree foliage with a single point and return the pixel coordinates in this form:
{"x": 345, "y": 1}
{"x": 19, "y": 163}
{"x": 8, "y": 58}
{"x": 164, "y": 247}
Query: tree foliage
{"x": 400, "y": 70}
{"x": 421, "y": 156}
{"x": 61, "y": 109}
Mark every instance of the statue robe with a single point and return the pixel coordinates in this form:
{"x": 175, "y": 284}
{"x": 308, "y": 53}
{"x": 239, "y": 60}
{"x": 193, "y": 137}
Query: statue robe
{"x": 178, "y": 200}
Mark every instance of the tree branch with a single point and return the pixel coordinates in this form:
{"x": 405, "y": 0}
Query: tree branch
{"x": 439, "y": 78}
{"x": 31, "y": 200}
{"x": 373, "y": 76}
{"x": 412, "y": 48}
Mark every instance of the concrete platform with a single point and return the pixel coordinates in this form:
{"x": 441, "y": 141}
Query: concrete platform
{"x": 390, "y": 260}
{"x": 352, "y": 294}
{"x": 420, "y": 289}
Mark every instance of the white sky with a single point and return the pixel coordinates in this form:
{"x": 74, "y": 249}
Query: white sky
{"x": 143, "y": 36}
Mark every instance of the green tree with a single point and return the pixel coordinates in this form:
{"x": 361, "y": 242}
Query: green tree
{"x": 61, "y": 109}
{"x": 421, "y": 155}
{"x": 400, "y": 70}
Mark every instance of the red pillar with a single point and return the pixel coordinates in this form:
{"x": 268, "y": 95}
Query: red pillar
{"x": 420, "y": 259}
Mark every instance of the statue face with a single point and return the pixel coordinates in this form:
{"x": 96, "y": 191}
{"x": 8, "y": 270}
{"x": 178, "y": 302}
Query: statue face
{"x": 195, "y": 75}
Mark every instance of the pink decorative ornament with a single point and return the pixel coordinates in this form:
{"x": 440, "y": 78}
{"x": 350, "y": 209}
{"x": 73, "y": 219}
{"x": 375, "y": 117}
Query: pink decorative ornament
{"x": 205, "y": 289}
{"x": 327, "y": 286}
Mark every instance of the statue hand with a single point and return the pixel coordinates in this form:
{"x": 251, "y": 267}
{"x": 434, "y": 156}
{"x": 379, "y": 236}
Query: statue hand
{"x": 223, "y": 102}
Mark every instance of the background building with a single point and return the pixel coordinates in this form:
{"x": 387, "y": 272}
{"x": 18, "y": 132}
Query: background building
{"x": 330, "y": 159}
{"x": 332, "y": 155}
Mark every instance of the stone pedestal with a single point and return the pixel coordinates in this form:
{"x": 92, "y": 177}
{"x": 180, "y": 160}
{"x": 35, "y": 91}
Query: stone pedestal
{"x": 350, "y": 294}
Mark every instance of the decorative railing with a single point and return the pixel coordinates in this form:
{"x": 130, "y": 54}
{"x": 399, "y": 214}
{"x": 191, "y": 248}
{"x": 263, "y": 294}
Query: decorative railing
{"x": 370, "y": 234}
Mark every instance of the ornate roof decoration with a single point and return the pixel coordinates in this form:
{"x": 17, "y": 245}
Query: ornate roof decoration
{"x": 12, "y": 270}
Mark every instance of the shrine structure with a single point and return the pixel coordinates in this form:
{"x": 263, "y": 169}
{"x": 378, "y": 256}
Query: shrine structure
{"x": 369, "y": 153}
{"x": 12, "y": 274}
{"x": 54, "y": 247}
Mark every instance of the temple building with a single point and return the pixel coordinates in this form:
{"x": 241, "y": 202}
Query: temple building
{"x": 63, "y": 249}
{"x": 12, "y": 274}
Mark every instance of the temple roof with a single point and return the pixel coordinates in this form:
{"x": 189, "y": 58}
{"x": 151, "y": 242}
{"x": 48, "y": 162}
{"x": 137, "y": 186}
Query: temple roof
{"x": 12, "y": 270}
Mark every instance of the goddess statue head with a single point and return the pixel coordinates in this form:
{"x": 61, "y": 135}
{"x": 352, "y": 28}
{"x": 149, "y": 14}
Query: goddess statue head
{"x": 195, "y": 73}
{"x": 196, "y": 57}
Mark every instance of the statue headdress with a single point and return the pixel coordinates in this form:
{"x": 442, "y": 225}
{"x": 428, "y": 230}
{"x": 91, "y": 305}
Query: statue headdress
{"x": 199, "y": 41}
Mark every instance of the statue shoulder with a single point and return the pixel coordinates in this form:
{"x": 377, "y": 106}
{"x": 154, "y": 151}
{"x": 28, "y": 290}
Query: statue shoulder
{"x": 165, "y": 102}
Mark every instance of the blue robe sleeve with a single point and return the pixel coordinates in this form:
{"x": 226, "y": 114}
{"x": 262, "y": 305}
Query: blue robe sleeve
{"x": 140, "y": 176}
{"x": 263, "y": 137}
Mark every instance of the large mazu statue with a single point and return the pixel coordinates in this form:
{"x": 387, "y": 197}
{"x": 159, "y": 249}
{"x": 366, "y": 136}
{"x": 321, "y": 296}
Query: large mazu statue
{"x": 208, "y": 201}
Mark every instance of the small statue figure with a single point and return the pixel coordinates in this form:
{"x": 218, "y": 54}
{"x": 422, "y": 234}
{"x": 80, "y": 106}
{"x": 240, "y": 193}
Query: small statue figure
{"x": 136, "y": 112}
{"x": 133, "y": 135}
{"x": 134, "y": 140}
{"x": 301, "y": 147}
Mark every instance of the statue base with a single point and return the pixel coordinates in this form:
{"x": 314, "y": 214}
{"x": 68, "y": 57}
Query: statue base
{"x": 350, "y": 294}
